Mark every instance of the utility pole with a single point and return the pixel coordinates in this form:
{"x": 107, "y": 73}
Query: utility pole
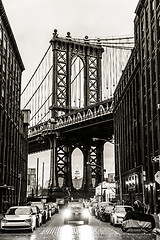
{"x": 120, "y": 177}
{"x": 37, "y": 176}
{"x": 42, "y": 178}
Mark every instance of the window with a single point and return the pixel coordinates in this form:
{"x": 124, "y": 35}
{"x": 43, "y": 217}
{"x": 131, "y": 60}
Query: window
{"x": 157, "y": 3}
{"x": 146, "y": 18}
{"x": 1, "y": 35}
{"x": 153, "y": 38}
{"x": 142, "y": 28}
{"x": 152, "y": 9}
{"x": 5, "y": 45}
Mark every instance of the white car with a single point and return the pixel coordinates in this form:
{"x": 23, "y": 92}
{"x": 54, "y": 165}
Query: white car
{"x": 118, "y": 213}
{"x": 19, "y": 218}
{"x": 76, "y": 212}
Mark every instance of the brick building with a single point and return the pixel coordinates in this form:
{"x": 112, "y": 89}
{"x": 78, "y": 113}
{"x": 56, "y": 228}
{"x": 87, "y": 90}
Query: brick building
{"x": 136, "y": 112}
{"x": 13, "y": 122}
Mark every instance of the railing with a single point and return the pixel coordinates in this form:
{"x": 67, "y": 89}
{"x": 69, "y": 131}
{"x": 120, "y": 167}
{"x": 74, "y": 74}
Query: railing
{"x": 70, "y": 119}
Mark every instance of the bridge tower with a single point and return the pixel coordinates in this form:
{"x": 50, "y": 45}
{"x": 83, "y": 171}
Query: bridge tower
{"x": 70, "y": 94}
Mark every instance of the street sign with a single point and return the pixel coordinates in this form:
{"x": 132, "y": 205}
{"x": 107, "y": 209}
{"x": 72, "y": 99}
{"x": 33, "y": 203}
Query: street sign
{"x": 157, "y": 177}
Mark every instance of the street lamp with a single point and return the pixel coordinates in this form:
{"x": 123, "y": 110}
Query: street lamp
{"x": 120, "y": 177}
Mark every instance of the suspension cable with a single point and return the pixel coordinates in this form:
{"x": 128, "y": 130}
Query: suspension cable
{"x": 35, "y": 71}
{"x": 41, "y": 107}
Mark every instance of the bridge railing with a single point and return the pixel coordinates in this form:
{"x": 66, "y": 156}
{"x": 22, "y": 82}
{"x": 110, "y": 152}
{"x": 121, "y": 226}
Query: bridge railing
{"x": 77, "y": 116}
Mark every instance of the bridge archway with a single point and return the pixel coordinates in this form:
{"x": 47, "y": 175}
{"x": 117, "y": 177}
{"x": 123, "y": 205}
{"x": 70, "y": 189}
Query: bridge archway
{"x": 77, "y": 166}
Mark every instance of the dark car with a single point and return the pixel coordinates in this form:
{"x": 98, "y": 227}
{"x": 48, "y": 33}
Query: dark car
{"x": 100, "y": 207}
{"x": 48, "y": 210}
{"x": 42, "y": 210}
{"x": 53, "y": 208}
{"x": 76, "y": 212}
{"x": 105, "y": 212}
{"x": 55, "y": 204}
{"x": 137, "y": 221}
{"x": 38, "y": 214}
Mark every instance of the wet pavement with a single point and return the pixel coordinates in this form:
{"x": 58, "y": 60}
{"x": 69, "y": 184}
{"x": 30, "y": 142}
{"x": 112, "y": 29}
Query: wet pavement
{"x": 54, "y": 229}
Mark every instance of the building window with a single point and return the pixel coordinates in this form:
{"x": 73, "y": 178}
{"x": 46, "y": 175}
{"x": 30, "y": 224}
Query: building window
{"x": 5, "y": 45}
{"x": 148, "y": 78}
{"x": 1, "y": 35}
{"x": 157, "y": 3}
{"x": 153, "y": 38}
{"x": 142, "y": 28}
{"x": 147, "y": 19}
{"x": 152, "y": 9}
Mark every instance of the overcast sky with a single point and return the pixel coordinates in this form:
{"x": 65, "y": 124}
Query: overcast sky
{"x": 33, "y": 22}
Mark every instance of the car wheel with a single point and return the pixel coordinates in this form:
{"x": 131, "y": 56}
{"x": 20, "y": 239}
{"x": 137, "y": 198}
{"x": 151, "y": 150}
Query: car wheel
{"x": 114, "y": 223}
{"x": 86, "y": 221}
{"x": 39, "y": 223}
{"x": 44, "y": 220}
{"x": 124, "y": 229}
{"x": 65, "y": 221}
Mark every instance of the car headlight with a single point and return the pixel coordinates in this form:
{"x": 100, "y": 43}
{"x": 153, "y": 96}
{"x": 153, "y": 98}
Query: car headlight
{"x": 28, "y": 220}
{"x": 85, "y": 213}
{"x": 67, "y": 213}
{"x": 4, "y": 220}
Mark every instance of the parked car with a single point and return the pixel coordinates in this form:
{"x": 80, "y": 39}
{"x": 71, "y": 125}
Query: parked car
{"x": 53, "y": 208}
{"x": 48, "y": 211}
{"x": 105, "y": 212}
{"x": 42, "y": 210}
{"x": 118, "y": 213}
{"x": 137, "y": 221}
{"x": 38, "y": 214}
{"x": 61, "y": 202}
{"x": 76, "y": 212}
{"x": 100, "y": 206}
{"x": 92, "y": 207}
{"x": 56, "y": 207}
{"x": 19, "y": 218}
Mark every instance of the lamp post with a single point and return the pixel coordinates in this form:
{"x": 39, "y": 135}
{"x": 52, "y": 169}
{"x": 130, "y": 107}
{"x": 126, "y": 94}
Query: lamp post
{"x": 120, "y": 177}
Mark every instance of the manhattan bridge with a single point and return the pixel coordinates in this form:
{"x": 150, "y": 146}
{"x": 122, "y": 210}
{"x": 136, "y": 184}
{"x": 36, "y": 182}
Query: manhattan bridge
{"x": 70, "y": 96}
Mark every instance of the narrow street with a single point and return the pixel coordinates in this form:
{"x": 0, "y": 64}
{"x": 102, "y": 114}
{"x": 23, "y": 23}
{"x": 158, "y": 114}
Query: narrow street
{"x": 55, "y": 229}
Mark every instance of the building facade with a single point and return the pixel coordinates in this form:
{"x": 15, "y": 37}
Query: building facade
{"x": 137, "y": 112}
{"x": 31, "y": 181}
{"x": 13, "y": 122}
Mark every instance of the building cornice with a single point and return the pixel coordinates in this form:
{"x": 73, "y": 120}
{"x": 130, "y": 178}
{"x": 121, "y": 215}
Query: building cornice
{"x": 139, "y": 7}
{"x": 10, "y": 35}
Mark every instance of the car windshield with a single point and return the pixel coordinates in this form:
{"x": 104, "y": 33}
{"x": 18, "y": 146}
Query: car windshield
{"x": 18, "y": 211}
{"x": 75, "y": 206}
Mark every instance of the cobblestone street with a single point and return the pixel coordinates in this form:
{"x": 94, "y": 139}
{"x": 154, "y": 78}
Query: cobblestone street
{"x": 95, "y": 230}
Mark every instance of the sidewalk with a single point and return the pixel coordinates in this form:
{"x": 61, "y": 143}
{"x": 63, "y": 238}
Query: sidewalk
{"x": 157, "y": 221}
